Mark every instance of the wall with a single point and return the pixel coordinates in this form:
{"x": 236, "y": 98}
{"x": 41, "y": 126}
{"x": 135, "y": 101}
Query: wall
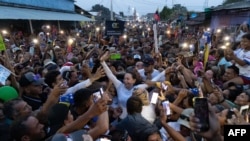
{"x": 67, "y": 5}
{"x": 227, "y": 18}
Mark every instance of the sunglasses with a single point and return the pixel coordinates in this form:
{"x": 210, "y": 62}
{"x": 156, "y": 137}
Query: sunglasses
{"x": 184, "y": 117}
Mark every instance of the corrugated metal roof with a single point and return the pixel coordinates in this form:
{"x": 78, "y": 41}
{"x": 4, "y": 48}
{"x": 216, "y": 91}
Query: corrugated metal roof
{"x": 236, "y": 5}
{"x": 7, "y": 12}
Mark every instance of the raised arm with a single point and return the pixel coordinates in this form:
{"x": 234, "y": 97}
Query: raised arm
{"x": 108, "y": 72}
{"x": 173, "y": 134}
{"x": 95, "y": 109}
{"x": 99, "y": 73}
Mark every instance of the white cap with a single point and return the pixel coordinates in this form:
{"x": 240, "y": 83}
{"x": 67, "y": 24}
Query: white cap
{"x": 137, "y": 56}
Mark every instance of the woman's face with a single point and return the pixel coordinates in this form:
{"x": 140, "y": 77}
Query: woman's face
{"x": 209, "y": 74}
{"x": 129, "y": 81}
{"x": 242, "y": 99}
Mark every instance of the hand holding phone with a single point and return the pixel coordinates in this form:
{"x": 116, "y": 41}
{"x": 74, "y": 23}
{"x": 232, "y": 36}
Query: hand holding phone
{"x": 154, "y": 98}
{"x": 98, "y": 95}
{"x": 164, "y": 86}
{"x": 201, "y": 112}
{"x": 64, "y": 84}
{"x": 166, "y": 106}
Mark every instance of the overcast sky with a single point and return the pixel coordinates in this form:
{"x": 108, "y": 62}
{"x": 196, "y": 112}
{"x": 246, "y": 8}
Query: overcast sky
{"x": 146, "y": 6}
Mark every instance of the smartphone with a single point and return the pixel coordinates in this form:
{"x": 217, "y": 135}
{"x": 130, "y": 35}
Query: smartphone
{"x": 244, "y": 109}
{"x": 154, "y": 98}
{"x": 164, "y": 86}
{"x": 98, "y": 95}
{"x": 104, "y": 139}
{"x": 115, "y": 56}
{"x": 201, "y": 112}
{"x": 64, "y": 84}
{"x": 101, "y": 91}
{"x": 165, "y": 105}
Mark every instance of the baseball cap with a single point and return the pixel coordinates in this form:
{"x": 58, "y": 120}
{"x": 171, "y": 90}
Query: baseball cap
{"x": 68, "y": 64}
{"x": 137, "y": 56}
{"x": 30, "y": 78}
{"x": 46, "y": 62}
{"x": 8, "y": 93}
{"x": 148, "y": 61}
{"x": 79, "y": 135}
{"x": 184, "y": 117}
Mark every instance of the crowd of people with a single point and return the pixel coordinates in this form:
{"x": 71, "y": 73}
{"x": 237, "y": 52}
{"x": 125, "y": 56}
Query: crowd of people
{"x": 82, "y": 85}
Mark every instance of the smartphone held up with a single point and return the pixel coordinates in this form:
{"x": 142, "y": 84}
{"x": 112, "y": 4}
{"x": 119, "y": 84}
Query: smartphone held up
{"x": 166, "y": 106}
{"x": 201, "y": 112}
{"x": 98, "y": 95}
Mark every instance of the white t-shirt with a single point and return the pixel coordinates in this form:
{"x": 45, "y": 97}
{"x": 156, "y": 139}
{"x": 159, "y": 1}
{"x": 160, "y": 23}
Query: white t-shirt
{"x": 245, "y": 56}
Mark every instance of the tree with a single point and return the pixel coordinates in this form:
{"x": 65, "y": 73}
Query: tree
{"x": 105, "y": 12}
{"x": 231, "y": 1}
{"x": 165, "y": 13}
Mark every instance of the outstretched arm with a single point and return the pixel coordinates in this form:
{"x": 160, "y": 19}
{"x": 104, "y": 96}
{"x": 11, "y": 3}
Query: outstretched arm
{"x": 107, "y": 70}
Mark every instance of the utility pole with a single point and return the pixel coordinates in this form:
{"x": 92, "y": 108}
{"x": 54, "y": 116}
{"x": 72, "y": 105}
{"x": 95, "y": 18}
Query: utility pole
{"x": 205, "y": 4}
{"x": 111, "y": 13}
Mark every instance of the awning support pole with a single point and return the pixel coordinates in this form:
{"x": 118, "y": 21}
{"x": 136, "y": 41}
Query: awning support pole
{"x": 59, "y": 27}
{"x": 31, "y": 27}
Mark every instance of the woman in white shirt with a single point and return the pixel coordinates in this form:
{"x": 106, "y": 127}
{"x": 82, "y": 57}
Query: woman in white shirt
{"x": 124, "y": 89}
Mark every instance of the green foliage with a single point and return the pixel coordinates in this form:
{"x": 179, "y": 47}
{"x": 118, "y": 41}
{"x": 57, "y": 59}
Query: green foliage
{"x": 100, "y": 8}
{"x": 173, "y": 13}
{"x": 165, "y": 14}
{"x": 231, "y": 1}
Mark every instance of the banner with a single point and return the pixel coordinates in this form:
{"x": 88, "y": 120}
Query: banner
{"x": 206, "y": 54}
{"x": 114, "y": 28}
{"x": 2, "y": 45}
{"x": 4, "y": 74}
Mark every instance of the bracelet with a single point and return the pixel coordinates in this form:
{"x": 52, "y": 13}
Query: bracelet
{"x": 222, "y": 101}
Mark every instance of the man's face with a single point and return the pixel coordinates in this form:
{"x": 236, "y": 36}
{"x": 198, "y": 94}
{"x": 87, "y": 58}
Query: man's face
{"x": 130, "y": 61}
{"x": 36, "y": 131}
{"x": 73, "y": 78}
{"x": 34, "y": 89}
{"x": 148, "y": 68}
{"x": 59, "y": 79}
{"x": 139, "y": 65}
{"x": 22, "y": 109}
{"x": 59, "y": 53}
{"x": 229, "y": 74}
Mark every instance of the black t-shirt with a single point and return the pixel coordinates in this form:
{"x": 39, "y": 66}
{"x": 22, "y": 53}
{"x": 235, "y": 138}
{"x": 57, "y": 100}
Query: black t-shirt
{"x": 34, "y": 102}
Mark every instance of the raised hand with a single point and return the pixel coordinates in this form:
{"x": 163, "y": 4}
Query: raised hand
{"x": 59, "y": 89}
{"x": 98, "y": 107}
{"x": 214, "y": 126}
{"x": 99, "y": 74}
{"x": 105, "y": 56}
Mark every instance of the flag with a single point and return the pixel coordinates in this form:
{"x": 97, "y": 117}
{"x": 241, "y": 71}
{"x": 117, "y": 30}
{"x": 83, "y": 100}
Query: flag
{"x": 157, "y": 16}
{"x": 206, "y": 54}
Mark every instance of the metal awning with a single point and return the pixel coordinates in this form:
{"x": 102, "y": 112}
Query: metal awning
{"x": 16, "y": 13}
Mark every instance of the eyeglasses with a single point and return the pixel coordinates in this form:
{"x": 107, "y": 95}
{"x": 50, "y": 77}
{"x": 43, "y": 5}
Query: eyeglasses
{"x": 184, "y": 117}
